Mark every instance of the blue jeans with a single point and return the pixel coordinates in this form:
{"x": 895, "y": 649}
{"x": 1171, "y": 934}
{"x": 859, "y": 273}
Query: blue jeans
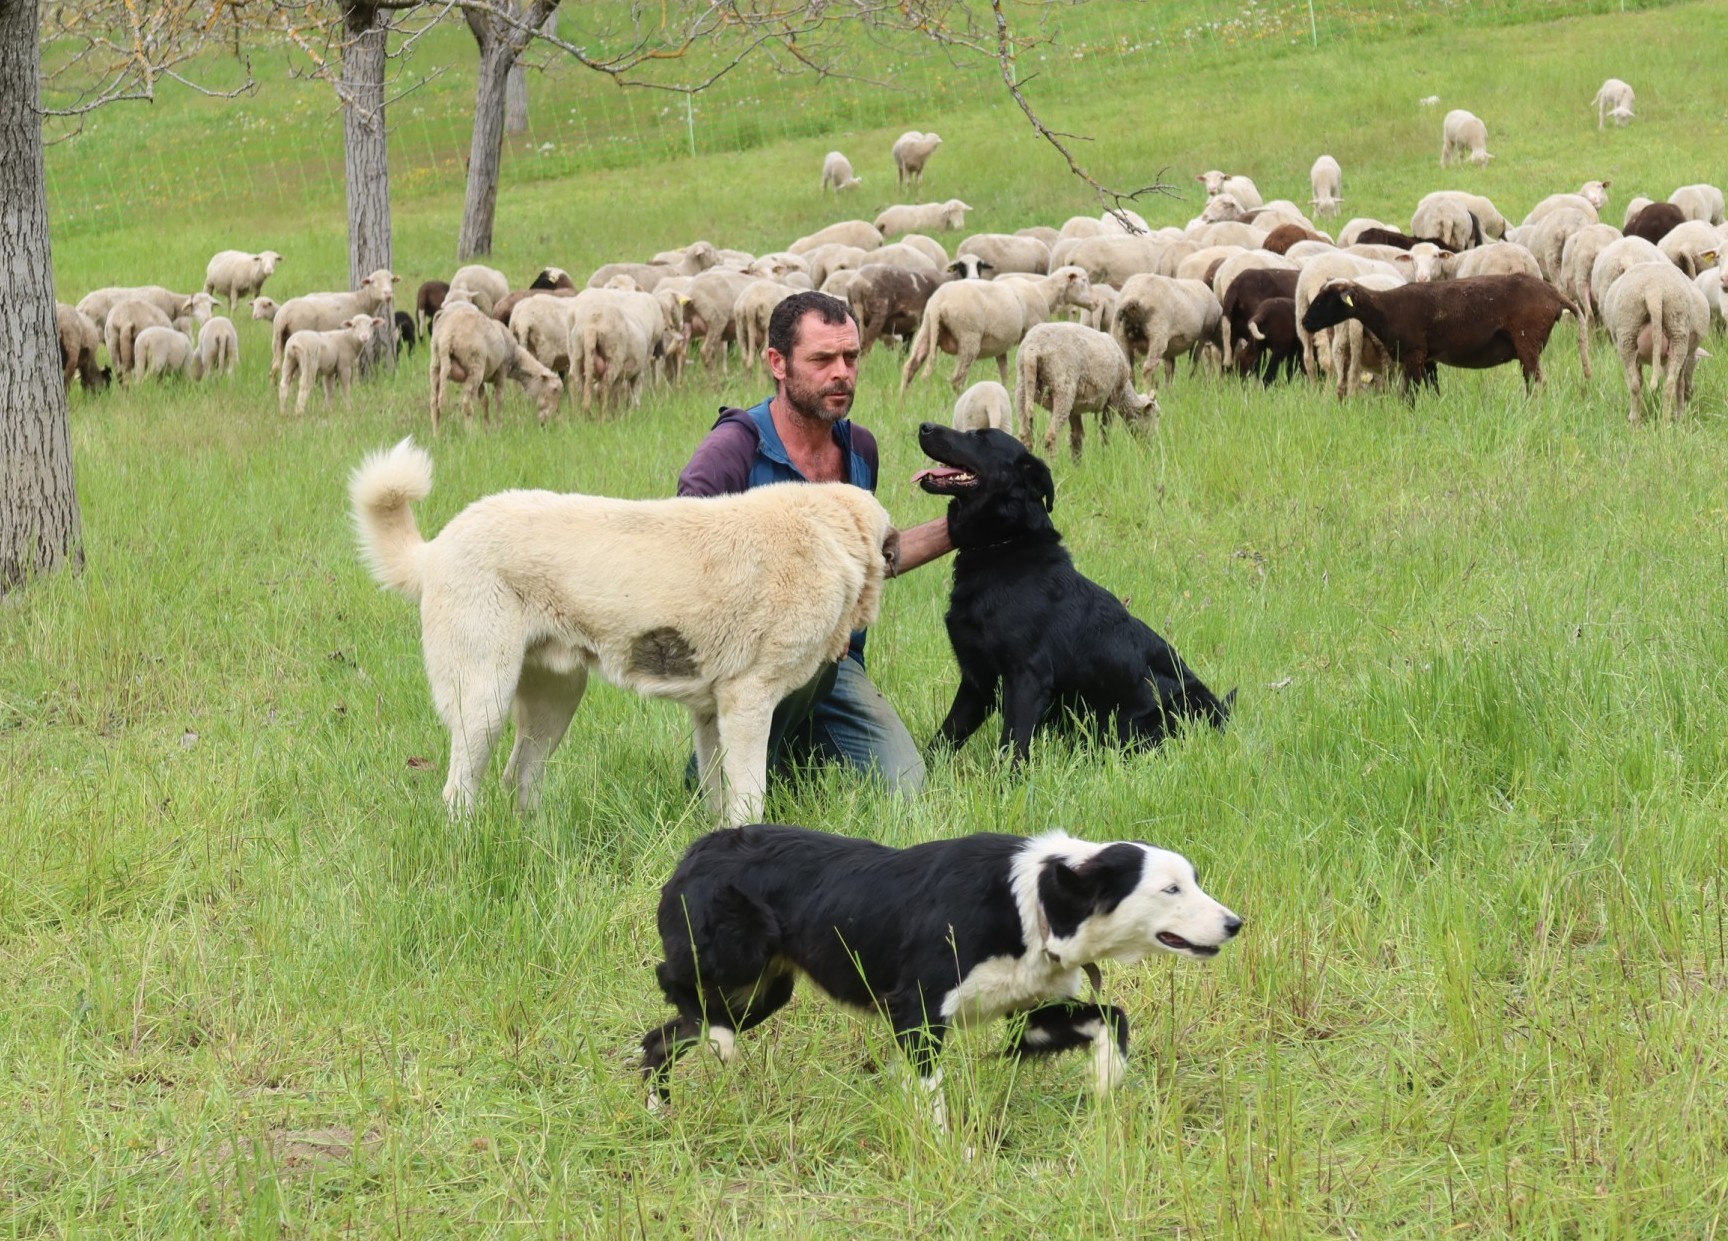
{"x": 839, "y": 716}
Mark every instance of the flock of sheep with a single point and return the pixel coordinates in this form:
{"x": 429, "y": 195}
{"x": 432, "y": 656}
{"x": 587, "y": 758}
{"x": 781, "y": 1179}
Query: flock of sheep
{"x": 1249, "y": 285}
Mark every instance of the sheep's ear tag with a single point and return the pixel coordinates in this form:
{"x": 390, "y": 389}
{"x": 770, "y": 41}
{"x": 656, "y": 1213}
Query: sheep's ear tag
{"x": 1348, "y": 300}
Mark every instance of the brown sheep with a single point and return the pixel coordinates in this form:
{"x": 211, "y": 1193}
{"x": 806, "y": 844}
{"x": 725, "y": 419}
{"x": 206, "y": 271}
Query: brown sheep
{"x": 1245, "y": 294}
{"x": 428, "y": 302}
{"x": 1474, "y": 323}
{"x": 1655, "y": 222}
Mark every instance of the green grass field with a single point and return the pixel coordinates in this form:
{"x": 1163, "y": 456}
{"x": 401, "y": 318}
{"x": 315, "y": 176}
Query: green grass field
{"x": 1470, "y": 804}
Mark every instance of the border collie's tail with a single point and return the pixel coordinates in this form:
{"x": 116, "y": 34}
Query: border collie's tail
{"x": 381, "y": 491}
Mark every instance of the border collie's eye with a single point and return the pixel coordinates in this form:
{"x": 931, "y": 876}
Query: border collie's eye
{"x": 1174, "y": 889}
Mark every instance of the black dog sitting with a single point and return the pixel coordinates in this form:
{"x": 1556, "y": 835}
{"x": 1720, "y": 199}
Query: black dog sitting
{"x": 1027, "y": 627}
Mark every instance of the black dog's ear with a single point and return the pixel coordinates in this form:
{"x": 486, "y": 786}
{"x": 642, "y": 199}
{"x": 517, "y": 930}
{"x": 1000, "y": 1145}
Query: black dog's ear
{"x": 1039, "y": 476}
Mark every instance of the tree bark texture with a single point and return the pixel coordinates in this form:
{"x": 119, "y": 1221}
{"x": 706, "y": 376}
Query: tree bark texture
{"x": 367, "y": 153}
{"x": 516, "y": 100}
{"x": 40, "y": 526}
{"x": 501, "y": 44}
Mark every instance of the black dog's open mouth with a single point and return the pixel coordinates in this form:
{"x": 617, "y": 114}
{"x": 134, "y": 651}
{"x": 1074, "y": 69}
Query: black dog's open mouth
{"x": 1174, "y": 941}
{"x": 945, "y": 480}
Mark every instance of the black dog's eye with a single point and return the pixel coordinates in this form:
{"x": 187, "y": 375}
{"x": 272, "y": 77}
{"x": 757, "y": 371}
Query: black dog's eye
{"x": 1174, "y": 889}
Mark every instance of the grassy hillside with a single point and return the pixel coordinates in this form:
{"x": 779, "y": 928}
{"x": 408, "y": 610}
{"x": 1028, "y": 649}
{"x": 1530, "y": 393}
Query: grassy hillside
{"x": 1470, "y": 803}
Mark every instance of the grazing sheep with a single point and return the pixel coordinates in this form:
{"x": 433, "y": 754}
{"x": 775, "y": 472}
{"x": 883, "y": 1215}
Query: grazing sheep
{"x": 479, "y": 349}
{"x": 616, "y": 337}
{"x": 923, "y": 218}
{"x": 1464, "y": 136}
{"x": 1123, "y": 222}
{"x": 690, "y": 260}
{"x": 751, "y": 313}
{"x": 1272, "y": 343}
{"x": 1164, "y": 318}
{"x": 984, "y": 404}
{"x": 1071, "y": 370}
{"x": 1109, "y": 260}
{"x": 1693, "y": 247}
{"x": 160, "y": 351}
{"x": 1709, "y": 283}
{"x": 1043, "y": 232}
{"x": 1632, "y": 209}
{"x": 1313, "y": 276}
{"x": 550, "y": 282}
{"x": 1006, "y": 252}
{"x": 1613, "y": 98}
{"x": 1499, "y": 258}
{"x": 544, "y": 325}
{"x": 1546, "y": 239}
{"x": 824, "y": 261}
{"x": 1326, "y": 179}
{"x": 98, "y": 305}
{"x": 709, "y": 313}
{"x": 912, "y": 258}
{"x": 860, "y": 233}
{"x": 1699, "y": 202}
{"x": 1562, "y": 202}
{"x": 264, "y": 308}
{"x": 1077, "y": 226}
{"x": 1356, "y": 355}
{"x": 1613, "y": 260}
{"x": 1481, "y": 322}
{"x": 975, "y": 319}
{"x": 839, "y": 284}
{"x": 1231, "y": 233}
{"x": 1445, "y": 221}
{"x": 1655, "y": 221}
{"x": 79, "y": 340}
{"x": 326, "y": 312}
{"x": 428, "y": 301}
{"x": 889, "y": 301}
{"x": 837, "y": 173}
{"x": 488, "y": 285}
{"x": 1352, "y": 232}
{"x": 912, "y": 150}
{"x": 125, "y": 321}
{"x": 1238, "y": 187}
{"x": 313, "y": 354}
{"x": 218, "y": 347}
{"x": 1488, "y": 216}
{"x": 1280, "y": 239}
{"x": 236, "y": 274}
{"x": 1577, "y": 257}
{"x": 1243, "y": 298}
{"x": 1658, "y": 296}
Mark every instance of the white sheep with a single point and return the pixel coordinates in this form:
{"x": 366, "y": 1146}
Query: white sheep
{"x": 1657, "y": 295}
{"x": 475, "y": 350}
{"x": 1167, "y": 318}
{"x": 1326, "y": 179}
{"x": 860, "y": 233}
{"x": 1546, "y": 239}
{"x": 1124, "y": 221}
{"x": 1613, "y": 261}
{"x": 236, "y": 274}
{"x": 264, "y": 308}
{"x": 907, "y": 258}
{"x": 923, "y": 218}
{"x": 837, "y": 173}
{"x": 310, "y": 355}
{"x": 1447, "y": 221}
{"x": 488, "y": 285}
{"x": 616, "y": 336}
{"x": 1497, "y": 258}
{"x": 1072, "y": 370}
{"x": 1613, "y": 99}
{"x": 326, "y": 312}
{"x": 750, "y": 315}
{"x": 1315, "y": 274}
{"x": 1238, "y": 187}
{"x": 1357, "y": 357}
{"x": 1077, "y": 226}
{"x": 1699, "y": 202}
{"x": 218, "y": 346}
{"x": 160, "y": 351}
{"x": 125, "y": 321}
{"x": 912, "y": 150}
{"x": 931, "y": 248}
{"x": 1008, "y": 252}
{"x": 984, "y": 404}
{"x": 975, "y": 319}
{"x": 1357, "y": 226}
{"x": 708, "y": 315}
{"x": 1693, "y": 247}
{"x": 1464, "y": 135}
{"x": 1488, "y": 216}
{"x": 1577, "y": 257}
{"x": 824, "y": 261}
{"x": 96, "y": 306}
{"x": 542, "y": 326}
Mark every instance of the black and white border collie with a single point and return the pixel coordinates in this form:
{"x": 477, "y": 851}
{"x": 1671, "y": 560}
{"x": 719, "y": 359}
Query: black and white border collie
{"x": 944, "y": 934}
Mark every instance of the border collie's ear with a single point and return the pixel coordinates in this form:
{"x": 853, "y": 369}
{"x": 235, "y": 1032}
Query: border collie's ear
{"x": 1042, "y": 481}
{"x": 1071, "y": 894}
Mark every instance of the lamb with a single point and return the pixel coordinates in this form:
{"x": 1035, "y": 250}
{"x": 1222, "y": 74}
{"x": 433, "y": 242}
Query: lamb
{"x": 1699, "y": 202}
{"x": 160, "y": 351}
{"x": 481, "y": 351}
{"x": 1165, "y": 317}
{"x": 428, "y": 301}
{"x": 1613, "y": 98}
{"x": 979, "y": 318}
{"x": 837, "y": 173}
{"x": 326, "y": 312}
{"x": 1326, "y": 179}
{"x": 912, "y": 150}
{"x": 488, "y": 285}
{"x": 984, "y": 404}
{"x": 125, "y": 321}
{"x": 1006, "y": 252}
{"x": 79, "y": 340}
{"x": 218, "y": 347}
{"x": 1272, "y": 342}
{"x": 1481, "y": 322}
{"x": 407, "y": 335}
{"x": 923, "y": 218}
{"x": 1071, "y": 370}
{"x": 236, "y": 274}
{"x": 312, "y": 354}
{"x": 98, "y": 305}
{"x": 1658, "y": 296}
{"x": 1462, "y": 132}
{"x": 1655, "y": 222}
{"x": 1240, "y": 188}
{"x": 1243, "y": 298}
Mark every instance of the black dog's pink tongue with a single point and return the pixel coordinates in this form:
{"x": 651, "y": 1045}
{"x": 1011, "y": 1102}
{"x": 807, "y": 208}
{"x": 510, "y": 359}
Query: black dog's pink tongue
{"x": 941, "y": 471}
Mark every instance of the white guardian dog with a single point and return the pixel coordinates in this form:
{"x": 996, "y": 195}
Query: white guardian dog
{"x": 725, "y": 604}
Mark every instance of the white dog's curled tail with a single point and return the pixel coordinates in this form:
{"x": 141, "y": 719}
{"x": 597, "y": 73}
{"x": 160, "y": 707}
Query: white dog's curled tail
{"x": 382, "y": 490}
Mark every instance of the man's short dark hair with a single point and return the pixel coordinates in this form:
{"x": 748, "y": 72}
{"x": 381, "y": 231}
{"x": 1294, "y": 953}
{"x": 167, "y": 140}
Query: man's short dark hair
{"x": 788, "y": 317}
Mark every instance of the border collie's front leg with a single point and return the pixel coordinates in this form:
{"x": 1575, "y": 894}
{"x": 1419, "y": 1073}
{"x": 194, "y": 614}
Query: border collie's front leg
{"x": 1067, "y": 1025}
{"x": 920, "y": 1035}
{"x": 972, "y": 703}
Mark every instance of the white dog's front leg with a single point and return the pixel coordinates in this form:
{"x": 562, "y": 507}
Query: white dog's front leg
{"x": 746, "y": 712}
{"x": 707, "y": 730}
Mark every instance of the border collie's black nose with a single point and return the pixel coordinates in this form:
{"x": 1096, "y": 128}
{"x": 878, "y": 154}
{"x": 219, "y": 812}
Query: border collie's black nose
{"x": 1232, "y": 924}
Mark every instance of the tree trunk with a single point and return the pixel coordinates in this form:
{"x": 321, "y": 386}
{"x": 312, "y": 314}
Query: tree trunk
{"x": 501, "y": 45}
{"x": 40, "y": 527}
{"x": 516, "y": 99}
{"x": 367, "y": 156}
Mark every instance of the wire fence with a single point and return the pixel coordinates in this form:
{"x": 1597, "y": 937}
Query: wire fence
{"x": 283, "y": 144}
